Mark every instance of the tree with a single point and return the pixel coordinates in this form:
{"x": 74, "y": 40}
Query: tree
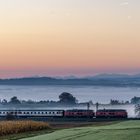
{"x": 137, "y": 110}
{"x": 67, "y": 98}
{"x": 4, "y": 102}
{"x": 135, "y": 100}
{"x": 14, "y": 100}
{"x": 114, "y": 102}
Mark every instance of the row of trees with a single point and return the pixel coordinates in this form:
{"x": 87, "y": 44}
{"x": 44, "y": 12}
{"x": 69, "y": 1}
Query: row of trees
{"x": 64, "y": 98}
{"x": 117, "y": 102}
{"x": 134, "y": 100}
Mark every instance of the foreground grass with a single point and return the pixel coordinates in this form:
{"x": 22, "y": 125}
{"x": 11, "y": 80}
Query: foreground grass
{"x": 25, "y": 135}
{"x": 54, "y": 127}
{"x": 128, "y": 130}
{"x": 16, "y": 127}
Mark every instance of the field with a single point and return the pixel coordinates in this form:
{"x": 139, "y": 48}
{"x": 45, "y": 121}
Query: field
{"x": 16, "y": 127}
{"x": 127, "y": 130}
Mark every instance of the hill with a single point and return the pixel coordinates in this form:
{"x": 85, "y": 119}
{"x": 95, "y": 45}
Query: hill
{"x": 98, "y": 80}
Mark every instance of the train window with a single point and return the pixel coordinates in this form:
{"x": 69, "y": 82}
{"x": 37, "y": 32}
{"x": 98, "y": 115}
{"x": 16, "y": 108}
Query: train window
{"x": 111, "y": 113}
{"x": 42, "y": 112}
{"x": 0, "y": 112}
{"x": 34, "y": 112}
{"x": 46, "y": 112}
{"x": 50, "y": 113}
{"x": 38, "y": 112}
{"x": 102, "y": 113}
{"x": 31, "y": 112}
{"x": 53, "y": 112}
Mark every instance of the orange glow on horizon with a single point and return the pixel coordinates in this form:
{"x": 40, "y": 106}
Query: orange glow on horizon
{"x": 54, "y": 40}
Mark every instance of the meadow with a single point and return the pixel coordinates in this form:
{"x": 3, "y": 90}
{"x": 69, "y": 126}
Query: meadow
{"x": 127, "y": 130}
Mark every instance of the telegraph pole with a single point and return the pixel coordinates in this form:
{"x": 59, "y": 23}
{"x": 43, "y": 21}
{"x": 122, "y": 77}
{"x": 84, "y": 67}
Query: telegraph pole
{"x": 97, "y": 106}
{"x": 88, "y": 106}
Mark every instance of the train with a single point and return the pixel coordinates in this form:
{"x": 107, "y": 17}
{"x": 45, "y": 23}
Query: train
{"x": 111, "y": 113}
{"x": 74, "y": 113}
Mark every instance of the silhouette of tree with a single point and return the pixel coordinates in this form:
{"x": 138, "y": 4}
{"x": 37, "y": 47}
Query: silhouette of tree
{"x": 135, "y": 100}
{"x": 4, "y": 102}
{"x": 137, "y": 110}
{"x": 14, "y": 100}
{"x": 67, "y": 98}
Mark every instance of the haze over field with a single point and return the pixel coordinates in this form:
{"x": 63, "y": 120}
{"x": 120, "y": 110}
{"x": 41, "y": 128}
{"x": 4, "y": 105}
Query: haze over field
{"x": 66, "y": 37}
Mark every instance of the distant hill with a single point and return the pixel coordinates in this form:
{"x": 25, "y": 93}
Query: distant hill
{"x": 111, "y": 76}
{"x": 98, "y": 80}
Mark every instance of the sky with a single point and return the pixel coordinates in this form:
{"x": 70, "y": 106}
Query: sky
{"x": 69, "y": 37}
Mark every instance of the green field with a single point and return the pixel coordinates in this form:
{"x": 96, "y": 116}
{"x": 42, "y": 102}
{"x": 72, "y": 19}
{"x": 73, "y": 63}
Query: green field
{"x": 128, "y": 130}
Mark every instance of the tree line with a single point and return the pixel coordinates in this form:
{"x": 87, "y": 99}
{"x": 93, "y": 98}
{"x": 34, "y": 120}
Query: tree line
{"x": 64, "y": 99}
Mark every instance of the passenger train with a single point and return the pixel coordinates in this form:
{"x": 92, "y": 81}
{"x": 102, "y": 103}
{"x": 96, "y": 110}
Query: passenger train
{"x": 76, "y": 113}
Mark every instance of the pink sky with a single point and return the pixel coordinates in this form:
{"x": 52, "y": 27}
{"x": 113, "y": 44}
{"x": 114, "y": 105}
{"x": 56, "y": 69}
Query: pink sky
{"x": 49, "y": 37}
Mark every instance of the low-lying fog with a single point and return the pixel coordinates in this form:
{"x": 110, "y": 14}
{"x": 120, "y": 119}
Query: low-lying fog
{"x": 82, "y": 93}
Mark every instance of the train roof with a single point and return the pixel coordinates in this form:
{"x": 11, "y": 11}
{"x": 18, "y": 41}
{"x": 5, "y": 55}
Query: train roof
{"x": 112, "y": 110}
{"x": 28, "y": 110}
{"x": 78, "y": 110}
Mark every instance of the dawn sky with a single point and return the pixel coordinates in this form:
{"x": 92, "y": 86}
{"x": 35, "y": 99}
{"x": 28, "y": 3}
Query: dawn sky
{"x": 69, "y": 37}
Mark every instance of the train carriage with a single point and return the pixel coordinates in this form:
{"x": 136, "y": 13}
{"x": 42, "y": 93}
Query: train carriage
{"x": 32, "y": 113}
{"x": 111, "y": 113}
{"x": 79, "y": 113}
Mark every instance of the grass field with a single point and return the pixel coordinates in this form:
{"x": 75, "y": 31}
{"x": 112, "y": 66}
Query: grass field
{"x": 128, "y": 130}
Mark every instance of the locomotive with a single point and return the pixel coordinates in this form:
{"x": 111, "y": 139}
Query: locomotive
{"x": 76, "y": 113}
{"x": 111, "y": 113}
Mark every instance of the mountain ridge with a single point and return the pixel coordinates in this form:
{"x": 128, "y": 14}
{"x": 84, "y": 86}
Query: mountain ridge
{"x": 97, "y": 80}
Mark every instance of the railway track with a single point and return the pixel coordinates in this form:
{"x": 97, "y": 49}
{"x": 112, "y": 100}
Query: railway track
{"x": 45, "y": 119}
